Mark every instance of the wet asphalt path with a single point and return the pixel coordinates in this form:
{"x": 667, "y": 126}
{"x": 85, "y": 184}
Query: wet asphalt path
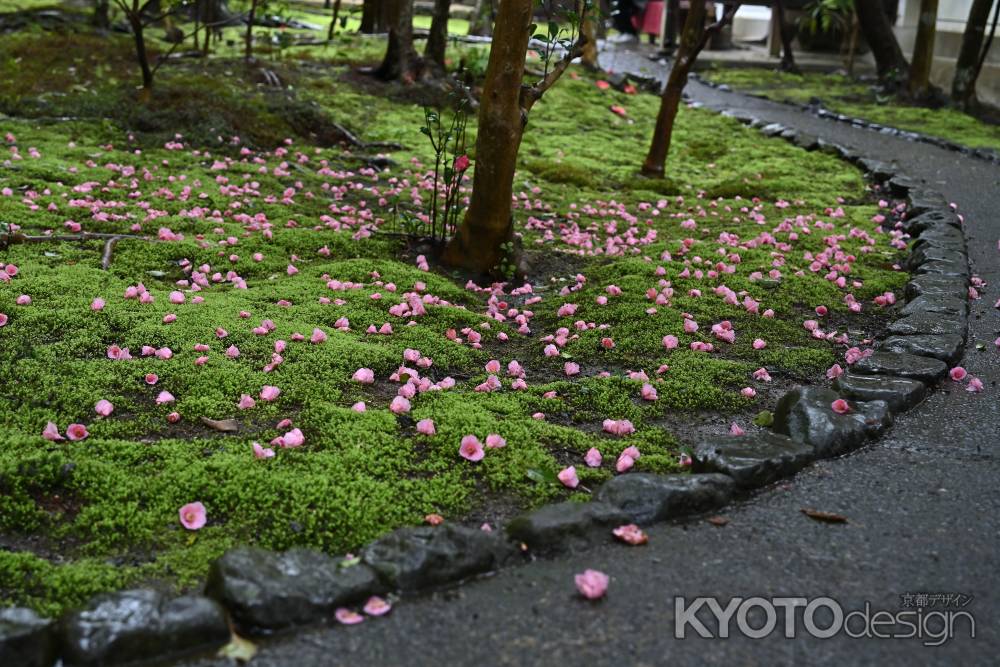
{"x": 923, "y": 506}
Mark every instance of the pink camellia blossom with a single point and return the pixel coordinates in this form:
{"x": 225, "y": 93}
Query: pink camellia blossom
{"x": 834, "y": 372}
{"x": 176, "y": 297}
{"x": 649, "y": 392}
{"x": 262, "y": 452}
{"x": 734, "y": 429}
{"x": 76, "y": 432}
{"x": 461, "y": 163}
{"x": 495, "y": 441}
{"x": 840, "y": 406}
{"x": 670, "y": 342}
{"x": 426, "y": 427}
{"x": 318, "y": 336}
{"x": 400, "y": 405}
{"x": 592, "y": 584}
{"x": 957, "y": 373}
{"x": 345, "y": 616}
{"x": 193, "y": 516}
{"x": 104, "y": 407}
{"x": 568, "y": 477}
{"x": 762, "y": 375}
{"x": 471, "y": 449}
{"x": 624, "y": 463}
{"x": 684, "y": 460}
{"x": 493, "y": 366}
{"x": 51, "y": 432}
{"x": 759, "y": 344}
{"x": 690, "y": 326}
{"x": 246, "y": 402}
{"x": 174, "y": 417}
{"x": 164, "y": 353}
{"x": 434, "y": 519}
{"x": 97, "y": 304}
{"x": 593, "y": 458}
{"x": 232, "y": 352}
{"x": 607, "y": 343}
{"x": 975, "y": 385}
{"x": 748, "y": 392}
{"x": 269, "y": 393}
{"x": 630, "y": 534}
{"x": 3, "y": 319}
{"x": 151, "y": 378}
{"x": 359, "y": 407}
{"x": 293, "y": 438}
{"x": 376, "y": 606}
{"x": 364, "y": 376}
{"x": 571, "y": 368}
{"x": 164, "y": 397}
{"x": 23, "y": 300}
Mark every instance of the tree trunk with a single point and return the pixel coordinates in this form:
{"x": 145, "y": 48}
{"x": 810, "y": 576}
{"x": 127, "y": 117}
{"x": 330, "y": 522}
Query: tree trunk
{"x": 100, "y": 18}
{"x": 785, "y": 32}
{"x": 919, "y": 83}
{"x": 963, "y": 87}
{"x": 248, "y": 47}
{"x": 589, "y": 57}
{"x": 333, "y": 21}
{"x": 481, "y": 21}
{"x": 135, "y": 21}
{"x": 437, "y": 40}
{"x": 488, "y": 222}
{"x": 375, "y": 16}
{"x": 889, "y": 59}
{"x": 693, "y": 39}
{"x": 401, "y": 60}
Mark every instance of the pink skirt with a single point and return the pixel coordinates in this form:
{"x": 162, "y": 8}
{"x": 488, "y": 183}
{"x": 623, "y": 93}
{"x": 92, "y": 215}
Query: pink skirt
{"x": 651, "y": 19}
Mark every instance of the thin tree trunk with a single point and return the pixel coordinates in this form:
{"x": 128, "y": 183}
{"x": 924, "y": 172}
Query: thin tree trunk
{"x": 785, "y": 31}
{"x": 989, "y": 41}
{"x": 889, "y": 59}
{"x": 589, "y": 58}
{"x": 248, "y": 47}
{"x": 481, "y": 21}
{"x": 437, "y": 40}
{"x": 401, "y": 60}
{"x": 375, "y": 16}
{"x": 693, "y": 39}
{"x": 963, "y": 87}
{"x": 333, "y": 21}
{"x": 135, "y": 21}
{"x": 852, "y": 44}
{"x": 100, "y": 18}
{"x": 923, "y": 50}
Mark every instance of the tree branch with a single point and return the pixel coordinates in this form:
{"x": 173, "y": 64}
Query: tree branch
{"x": 531, "y": 94}
{"x": 727, "y": 16}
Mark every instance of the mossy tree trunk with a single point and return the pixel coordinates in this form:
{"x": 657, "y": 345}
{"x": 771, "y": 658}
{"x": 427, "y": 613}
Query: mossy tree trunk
{"x": 589, "y": 57}
{"x": 694, "y": 37}
{"x": 890, "y": 63}
{"x": 963, "y": 87}
{"x": 375, "y": 16}
{"x": 401, "y": 60}
{"x": 919, "y": 82}
{"x": 437, "y": 40}
{"x": 481, "y": 243}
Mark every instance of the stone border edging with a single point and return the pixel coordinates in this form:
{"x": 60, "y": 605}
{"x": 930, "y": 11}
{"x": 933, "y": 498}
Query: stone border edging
{"x": 988, "y": 154}
{"x": 264, "y": 592}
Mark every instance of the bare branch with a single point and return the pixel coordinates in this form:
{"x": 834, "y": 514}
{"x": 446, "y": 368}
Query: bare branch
{"x": 531, "y": 94}
{"x": 727, "y": 16}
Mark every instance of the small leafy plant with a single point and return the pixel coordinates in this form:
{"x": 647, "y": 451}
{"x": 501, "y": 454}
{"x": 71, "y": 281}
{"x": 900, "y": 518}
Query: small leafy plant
{"x": 448, "y": 139}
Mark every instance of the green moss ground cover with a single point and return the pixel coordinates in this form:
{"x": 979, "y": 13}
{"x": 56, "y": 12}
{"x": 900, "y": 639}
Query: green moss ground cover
{"x": 851, "y": 97}
{"x": 740, "y": 221}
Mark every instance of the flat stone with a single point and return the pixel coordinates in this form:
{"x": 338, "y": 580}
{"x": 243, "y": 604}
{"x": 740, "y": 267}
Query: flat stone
{"x": 807, "y": 415}
{"x": 933, "y": 218}
{"x": 935, "y": 303}
{"x": 880, "y": 171}
{"x": 901, "y": 364}
{"x": 934, "y": 324}
{"x": 130, "y": 626}
{"x": 415, "y": 558}
{"x": 26, "y": 639}
{"x": 923, "y": 200}
{"x": 948, "y": 348}
{"x": 944, "y": 237}
{"x": 958, "y": 268}
{"x": 772, "y": 129}
{"x": 267, "y": 591}
{"x": 944, "y": 286}
{"x": 900, "y": 185}
{"x": 900, "y": 394}
{"x": 752, "y": 460}
{"x": 565, "y": 526}
{"x": 929, "y": 252}
{"x": 806, "y": 141}
{"x": 646, "y": 497}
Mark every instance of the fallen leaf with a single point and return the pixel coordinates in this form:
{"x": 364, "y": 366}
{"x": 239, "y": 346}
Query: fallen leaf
{"x": 224, "y": 425}
{"x": 239, "y": 649}
{"x": 718, "y": 520}
{"x": 828, "y": 517}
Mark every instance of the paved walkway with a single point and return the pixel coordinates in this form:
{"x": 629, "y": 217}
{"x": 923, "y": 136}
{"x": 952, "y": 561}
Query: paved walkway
{"x": 923, "y": 506}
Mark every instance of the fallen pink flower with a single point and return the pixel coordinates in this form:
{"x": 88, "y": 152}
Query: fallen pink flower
{"x": 592, "y": 584}
{"x": 957, "y": 373}
{"x": 399, "y": 405}
{"x": 376, "y": 606}
{"x": 426, "y": 427}
{"x": 571, "y": 368}
{"x": 568, "y": 477}
{"x": 593, "y": 458}
{"x": 624, "y": 463}
{"x": 649, "y": 392}
{"x": 840, "y": 406}
{"x": 734, "y": 429}
{"x": 97, "y": 304}
{"x": 347, "y": 617}
{"x": 246, "y": 402}
{"x": 495, "y": 441}
{"x": 293, "y": 438}
{"x": 364, "y": 376}
{"x": 269, "y": 393}
{"x": 104, "y": 408}
{"x": 318, "y": 336}
{"x": 975, "y": 385}
{"x": 630, "y": 534}
{"x": 261, "y": 452}
{"x": 471, "y": 449}
{"x": 164, "y": 397}
{"x": 192, "y": 516}
{"x": 51, "y": 432}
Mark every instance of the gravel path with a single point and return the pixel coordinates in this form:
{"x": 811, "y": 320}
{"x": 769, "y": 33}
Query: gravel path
{"x": 923, "y": 506}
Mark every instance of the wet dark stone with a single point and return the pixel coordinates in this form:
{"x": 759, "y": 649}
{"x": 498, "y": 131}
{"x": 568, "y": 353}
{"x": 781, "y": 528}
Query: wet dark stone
{"x": 935, "y": 285}
{"x": 808, "y": 142}
{"x": 415, "y": 558}
{"x": 944, "y": 268}
{"x": 934, "y": 324}
{"x": 941, "y": 237}
{"x": 948, "y": 348}
{"x": 772, "y": 129}
{"x": 752, "y": 460}
{"x": 807, "y": 415}
{"x": 26, "y": 639}
{"x": 932, "y": 219}
{"x": 928, "y": 252}
{"x": 566, "y": 526}
{"x": 933, "y": 303}
{"x": 923, "y": 200}
{"x": 901, "y": 364}
{"x": 899, "y": 393}
{"x": 647, "y": 497}
{"x": 879, "y": 171}
{"x": 900, "y": 185}
{"x": 267, "y": 591}
{"x": 134, "y": 625}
